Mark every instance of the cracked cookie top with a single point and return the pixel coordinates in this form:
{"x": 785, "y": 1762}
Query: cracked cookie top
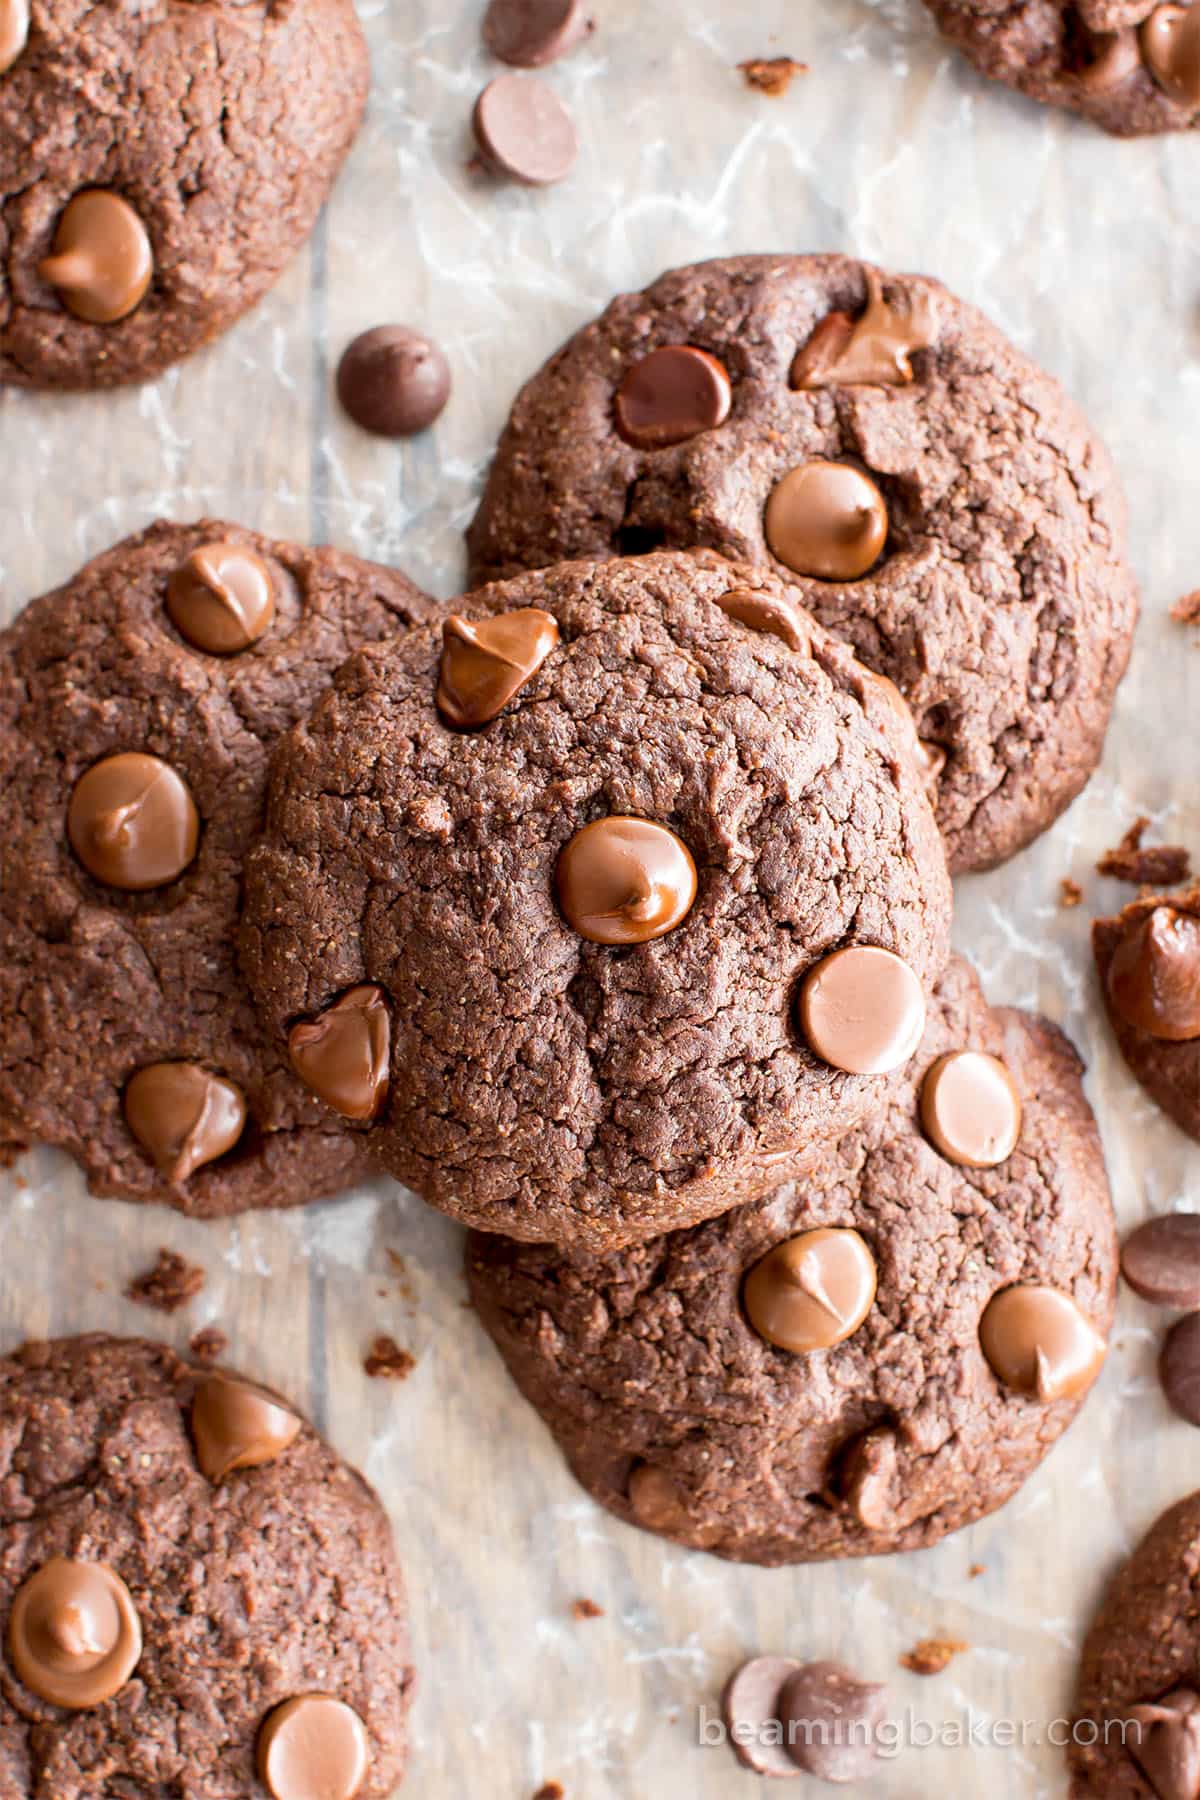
{"x": 937, "y": 499}
{"x": 159, "y": 165}
{"x": 625, "y": 876}
{"x": 137, "y": 707}
{"x": 864, "y": 1360}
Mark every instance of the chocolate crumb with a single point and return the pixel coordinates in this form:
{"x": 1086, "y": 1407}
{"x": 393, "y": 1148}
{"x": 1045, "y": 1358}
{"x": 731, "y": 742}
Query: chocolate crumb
{"x": 170, "y": 1284}
{"x": 1069, "y": 892}
{"x": 1187, "y": 610}
{"x": 976, "y": 1569}
{"x": 772, "y": 75}
{"x": 1158, "y": 865}
{"x": 550, "y": 1790}
{"x": 932, "y": 1655}
{"x": 586, "y": 1609}
{"x": 386, "y": 1361}
{"x": 209, "y": 1344}
{"x": 10, "y": 1149}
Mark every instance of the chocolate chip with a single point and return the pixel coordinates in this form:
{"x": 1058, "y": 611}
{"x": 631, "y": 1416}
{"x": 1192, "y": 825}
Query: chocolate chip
{"x": 486, "y": 661}
{"x": 862, "y": 1010}
{"x": 524, "y": 131}
{"x": 625, "y": 881}
{"x": 866, "y": 1478}
{"x": 655, "y": 1500}
{"x": 238, "y": 1425}
{"x": 750, "y": 1704}
{"x": 222, "y": 598}
{"x": 873, "y": 351}
{"x": 1115, "y": 56}
{"x": 74, "y": 1635}
{"x": 393, "y": 382}
{"x": 1161, "y": 1260}
{"x": 812, "y": 1291}
{"x": 530, "y": 33}
{"x": 184, "y": 1115}
{"x": 766, "y": 612}
{"x": 672, "y": 395}
{"x": 1039, "y": 1343}
{"x": 1154, "y": 975}
{"x": 132, "y": 822}
{"x": 827, "y": 520}
{"x": 101, "y": 261}
{"x": 1170, "y": 41}
{"x": 830, "y": 1720}
{"x": 971, "y": 1110}
{"x": 1167, "y": 1745}
{"x": 314, "y": 1747}
{"x": 14, "y": 31}
{"x": 1179, "y": 1368}
{"x": 344, "y": 1053}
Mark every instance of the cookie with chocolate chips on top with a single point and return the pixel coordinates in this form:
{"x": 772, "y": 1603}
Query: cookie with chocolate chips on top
{"x": 1148, "y": 962}
{"x": 864, "y": 1360}
{"x": 138, "y": 705}
{"x": 199, "y": 1596}
{"x": 160, "y": 165}
{"x": 935, "y": 497}
{"x": 632, "y": 866}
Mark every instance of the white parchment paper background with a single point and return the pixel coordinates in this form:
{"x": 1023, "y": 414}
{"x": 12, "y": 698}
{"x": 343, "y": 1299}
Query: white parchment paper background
{"x": 1088, "y": 252}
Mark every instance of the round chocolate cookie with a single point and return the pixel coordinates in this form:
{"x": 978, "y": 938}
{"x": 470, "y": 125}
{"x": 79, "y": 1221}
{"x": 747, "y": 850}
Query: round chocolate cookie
{"x": 1148, "y": 960}
{"x": 865, "y": 1360}
{"x": 1136, "y": 1733}
{"x": 137, "y": 707}
{"x": 626, "y": 875}
{"x": 159, "y": 166}
{"x": 1132, "y": 66}
{"x": 199, "y": 1597}
{"x": 937, "y": 498}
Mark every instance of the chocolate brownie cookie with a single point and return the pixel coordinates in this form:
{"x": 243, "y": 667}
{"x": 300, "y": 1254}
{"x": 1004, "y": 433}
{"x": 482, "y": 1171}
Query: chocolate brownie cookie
{"x": 199, "y": 1597}
{"x": 937, "y": 498}
{"x": 159, "y": 166}
{"x": 1148, "y": 960}
{"x": 137, "y": 707}
{"x": 1132, "y": 66}
{"x": 1137, "y": 1707}
{"x": 863, "y": 1361}
{"x": 606, "y": 901}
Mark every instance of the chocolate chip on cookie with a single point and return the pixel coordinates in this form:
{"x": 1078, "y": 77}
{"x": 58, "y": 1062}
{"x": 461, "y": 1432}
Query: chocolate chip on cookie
{"x": 1148, "y": 962}
{"x": 934, "y": 497}
{"x": 138, "y": 706}
{"x": 860, "y": 1362}
{"x": 589, "y": 839}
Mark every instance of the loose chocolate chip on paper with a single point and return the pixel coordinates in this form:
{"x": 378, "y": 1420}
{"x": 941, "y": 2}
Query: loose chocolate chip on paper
{"x": 830, "y": 1718}
{"x": 524, "y": 131}
{"x": 750, "y": 1704}
{"x": 1179, "y": 1368}
{"x": 393, "y": 381}
{"x": 530, "y": 33}
{"x": 1161, "y": 1260}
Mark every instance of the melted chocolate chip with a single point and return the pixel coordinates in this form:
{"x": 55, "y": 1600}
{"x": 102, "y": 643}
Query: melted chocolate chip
{"x": 827, "y": 520}
{"x": 1038, "y": 1342}
{"x": 862, "y": 1010}
{"x": 344, "y": 1053}
{"x": 238, "y": 1425}
{"x": 625, "y": 881}
{"x": 184, "y": 1115}
{"x": 101, "y": 261}
{"x": 222, "y": 598}
{"x": 671, "y": 395}
{"x": 74, "y": 1635}
{"x": 486, "y": 661}
{"x": 874, "y": 350}
{"x": 812, "y": 1291}
{"x": 133, "y": 823}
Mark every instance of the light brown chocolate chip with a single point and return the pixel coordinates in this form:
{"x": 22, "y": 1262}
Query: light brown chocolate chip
{"x": 866, "y": 1478}
{"x": 812, "y": 1291}
{"x": 238, "y": 1425}
{"x": 530, "y": 33}
{"x": 971, "y": 1110}
{"x": 831, "y": 1720}
{"x": 1116, "y": 58}
{"x": 344, "y": 1053}
{"x": 874, "y": 350}
{"x": 74, "y": 1635}
{"x": 1161, "y": 1260}
{"x": 486, "y": 661}
{"x": 1170, "y": 40}
{"x": 132, "y": 822}
{"x": 524, "y": 131}
{"x": 1166, "y": 1747}
{"x": 766, "y": 612}
{"x": 313, "y": 1748}
{"x": 222, "y": 599}
{"x": 1154, "y": 976}
{"x": 101, "y": 262}
{"x": 655, "y": 1500}
{"x": 625, "y": 881}
{"x": 14, "y": 31}
{"x": 862, "y": 1010}
{"x": 671, "y": 395}
{"x": 827, "y": 520}
{"x": 1038, "y": 1342}
{"x": 184, "y": 1115}
{"x": 750, "y": 1704}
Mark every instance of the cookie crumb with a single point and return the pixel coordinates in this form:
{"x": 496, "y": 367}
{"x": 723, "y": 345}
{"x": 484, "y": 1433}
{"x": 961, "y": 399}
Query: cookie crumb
{"x": 11, "y": 1148}
{"x": 170, "y": 1284}
{"x": 550, "y": 1790}
{"x": 1187, "y": 610}
{"x": 976, "y": 1569}
{"x": 209, "y": 1344}
{"x": 772, "y": 75}
{"x": 932, "y": 1655}
{"x": 1069, "y": 892}
{"x": 1158, "y": 865}
{"x": 586, "y": 1609}
{"x": 386, "y": 1361}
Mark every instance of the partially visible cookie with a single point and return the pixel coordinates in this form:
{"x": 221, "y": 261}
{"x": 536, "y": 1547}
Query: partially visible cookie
{"x": 138, "y": 705}
{"x": 199, "y": 1596}
{"x": 865, "y": 1360}
{"x": 605, "y": 901}
{"x": 1132, "y": 66}
{"x": 1148, "y": 961}
{"x": 935, "y": 496}
{"x": 160, "y": 164}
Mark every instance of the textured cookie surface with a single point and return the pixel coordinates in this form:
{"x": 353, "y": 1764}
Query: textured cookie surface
{"x": 1000, "y": 603}
{"x": 1167, "y": 1067}
{"x": 1143, "y": 1649}
{"x": 677, "y": 1414}
{"x": 98, "y": 982}
{"x": 1108, "y": 59}
{"x": 222, "y": 126}
{"x": 279, "y": 1579}
{"x": 542, "y": 1084}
